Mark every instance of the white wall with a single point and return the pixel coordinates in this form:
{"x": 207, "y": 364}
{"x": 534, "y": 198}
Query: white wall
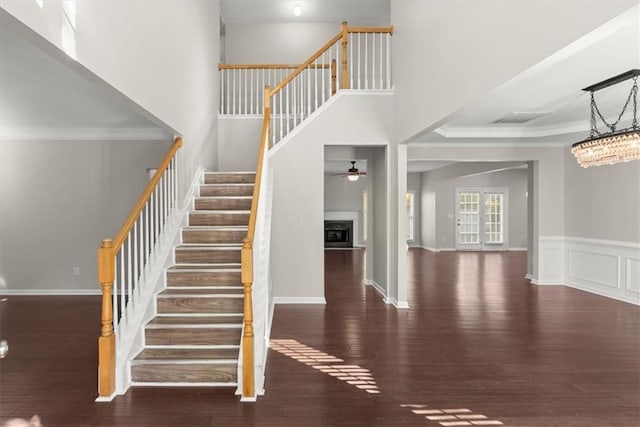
{"x": 414, "y": 184}
{"x": 162, "y": 55}
{"x": 238, "y": 142}
{"x": 602, "y": 202}
{"x": 297, "y": 243}
{"x": 444, "y": 198}
{"x": 379, "y": 219}
{"x": 59, "y": 200}
{"x": 451, "y": 52}
{"x": 276, "y": 43}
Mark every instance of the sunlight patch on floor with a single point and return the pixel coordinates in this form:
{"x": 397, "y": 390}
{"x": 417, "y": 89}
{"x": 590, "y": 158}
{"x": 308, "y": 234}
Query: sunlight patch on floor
{"x": 354, "y": 375}
{"x": 451, "y": 417}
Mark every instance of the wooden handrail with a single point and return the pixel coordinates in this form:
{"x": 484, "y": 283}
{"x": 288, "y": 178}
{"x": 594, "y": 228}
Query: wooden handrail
{"x": 135, "y": 212}
{"x": 306, "y": 64}
{"x": 386, "y": 30}
{"x": 265, "y": 66}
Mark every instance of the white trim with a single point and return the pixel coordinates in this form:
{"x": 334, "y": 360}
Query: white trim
{"x": 182, "y": 384}
{"x": 51, "y": 292}
{"x": 497, "y": 131}
{"x": 518, "y": 249}
{"x": 85, "y": 134}
{"x": 299, "y": 300}
{"x": 103, "y": 399}
{"x": 429, "y": 248}
{"x": 506, "y": 144}
{"x": 379, "y": 289}
{"x": 400, "y": 305}
{"x": 446, "y": 250}
{"x": 602, "y": 267}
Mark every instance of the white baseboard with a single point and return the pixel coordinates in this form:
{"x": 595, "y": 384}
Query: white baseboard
{"x": 518, "y": 249}
{"x": 51, "y": 292}
{"x": 397, "y": 304}
{"x": 446, "y": 250}
{"x": 379, "y": 289}
{"x": 429, "y": 248}
{"x": 299, "y": 300}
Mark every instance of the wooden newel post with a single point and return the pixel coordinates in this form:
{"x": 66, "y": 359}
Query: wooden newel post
{"x": 248, "y": 387}
{"x": 334, "y": 76}
{"x": 345, "y": 43}
{"x": 107, "y": 340}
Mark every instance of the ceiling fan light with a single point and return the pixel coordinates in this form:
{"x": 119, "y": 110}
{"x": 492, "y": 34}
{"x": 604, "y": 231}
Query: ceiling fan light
{"x": 353, "y": 177}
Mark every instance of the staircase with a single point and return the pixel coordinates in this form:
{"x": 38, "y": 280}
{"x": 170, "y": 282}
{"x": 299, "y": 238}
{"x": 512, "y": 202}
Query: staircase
{"x": 194, "y": 339}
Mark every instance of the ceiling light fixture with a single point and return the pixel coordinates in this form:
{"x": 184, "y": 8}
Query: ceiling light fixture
{"x": 297, "y": 10}
{"x": 612, "y": 146}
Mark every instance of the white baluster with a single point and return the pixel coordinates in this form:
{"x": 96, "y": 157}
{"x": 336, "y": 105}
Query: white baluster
{"x": 373, "y": 60}
{"x": 288, "y": 113}
{"x": 222, "y": 91}
{"x": 359, "y": 61}
{"x": 309, "y": 91}
{"x": 323, "y": 79}
{"x": 315, "y": 73}
{"x": 388, "y": 38}
{"x": 123, "y": 302}
{"x": 114, "y": 297}
{"x": 380, "y": 35}
{"x": 233, "y": 91}
{"x": 366, "y": 61}
{"x": 141, "y": 245}
{"x": 351, "y": 38}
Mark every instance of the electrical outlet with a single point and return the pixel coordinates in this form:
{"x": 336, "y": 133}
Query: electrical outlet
{"x": 76, "y": 271}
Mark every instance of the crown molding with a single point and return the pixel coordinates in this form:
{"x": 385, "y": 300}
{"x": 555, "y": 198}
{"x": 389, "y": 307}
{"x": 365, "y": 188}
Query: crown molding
{"x": 84, "y": 134}
{"x": 513, "y": 131}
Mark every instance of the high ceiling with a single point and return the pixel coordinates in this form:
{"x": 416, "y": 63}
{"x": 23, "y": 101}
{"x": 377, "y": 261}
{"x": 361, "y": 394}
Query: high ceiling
{"x": 553, "y": 88}
{"x": 44, "y": 94}
{"x": 356, "y": 12}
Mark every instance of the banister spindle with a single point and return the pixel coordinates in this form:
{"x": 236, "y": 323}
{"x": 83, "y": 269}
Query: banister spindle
{"x": 345, "y": 42}
{"x": 106, "y": 342}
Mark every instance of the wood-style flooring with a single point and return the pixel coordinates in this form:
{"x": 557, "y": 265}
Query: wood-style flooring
{"x": 478, "y": 346}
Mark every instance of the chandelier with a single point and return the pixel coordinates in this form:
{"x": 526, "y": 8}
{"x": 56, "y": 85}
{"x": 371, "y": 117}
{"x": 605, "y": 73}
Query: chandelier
{"x": 614, "y": 145}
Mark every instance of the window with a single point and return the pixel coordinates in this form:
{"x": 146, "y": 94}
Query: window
{"x": 410, "y": 216}
{"x": 364, "y": 216}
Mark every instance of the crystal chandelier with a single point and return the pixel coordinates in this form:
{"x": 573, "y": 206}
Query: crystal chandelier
{"x": 612, "y": 146}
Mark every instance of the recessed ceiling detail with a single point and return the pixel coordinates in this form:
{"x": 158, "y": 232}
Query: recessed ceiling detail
{"x": 520, "y": 117}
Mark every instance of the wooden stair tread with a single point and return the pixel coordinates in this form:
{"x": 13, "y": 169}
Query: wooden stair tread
{"x": 210, "y": 291}
{"x": 209, "y": 247}
{"x": 195, "y": 320}
{"x": 204, "y": 267}
{"x": 184, "y": 373}
{"x": 172, "y": 353}
{"x": 216, "y": 227}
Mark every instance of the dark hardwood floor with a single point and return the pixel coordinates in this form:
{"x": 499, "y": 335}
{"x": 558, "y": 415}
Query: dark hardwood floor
{"x": 479, "y": 346}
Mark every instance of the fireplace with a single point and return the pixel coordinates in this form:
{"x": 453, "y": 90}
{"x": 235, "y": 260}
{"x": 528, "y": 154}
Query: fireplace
{"x": 338, "y": 234}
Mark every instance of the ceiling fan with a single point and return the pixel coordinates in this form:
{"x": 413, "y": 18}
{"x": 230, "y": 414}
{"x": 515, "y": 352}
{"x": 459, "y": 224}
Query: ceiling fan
{"x": 352, "y": 174}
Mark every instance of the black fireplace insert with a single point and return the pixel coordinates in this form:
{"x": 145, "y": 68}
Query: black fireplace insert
{"x": 338, "y": 234}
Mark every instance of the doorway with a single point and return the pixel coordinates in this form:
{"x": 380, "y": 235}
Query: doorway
{"x": 481, "y": 219}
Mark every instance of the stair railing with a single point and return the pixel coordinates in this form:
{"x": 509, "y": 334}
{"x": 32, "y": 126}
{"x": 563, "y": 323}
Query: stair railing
{"x": 242, "y": 85}
{"x": 125, "y": 262}
{"x": 357, "y": 58}
{"x": 363, "y": 56}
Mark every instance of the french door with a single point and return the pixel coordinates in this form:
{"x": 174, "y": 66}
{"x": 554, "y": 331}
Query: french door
{"x": 481, "y": 220}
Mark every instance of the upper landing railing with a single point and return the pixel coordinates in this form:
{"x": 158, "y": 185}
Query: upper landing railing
{"x": 355, "y": 58}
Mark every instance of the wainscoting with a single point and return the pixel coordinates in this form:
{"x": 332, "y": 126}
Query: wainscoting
{"x": 607, "y": 268}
